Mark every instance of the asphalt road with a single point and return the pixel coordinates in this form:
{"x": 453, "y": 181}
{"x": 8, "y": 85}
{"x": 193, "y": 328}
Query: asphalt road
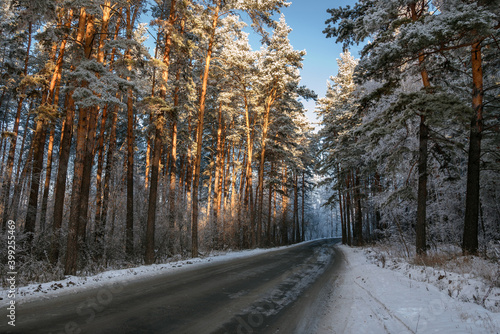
{"x": 277, "y": 292}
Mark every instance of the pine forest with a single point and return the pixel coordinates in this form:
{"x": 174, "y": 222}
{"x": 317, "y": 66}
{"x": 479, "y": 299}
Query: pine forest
{"x": 138, "y": 131}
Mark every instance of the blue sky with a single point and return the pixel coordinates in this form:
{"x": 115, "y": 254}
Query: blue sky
{"x": 307, "y": 19}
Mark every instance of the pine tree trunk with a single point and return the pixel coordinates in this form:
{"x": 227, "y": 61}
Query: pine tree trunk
{"x": 76, "y": 220}
{"x": 420, "y": 228}
{"x": 234, "y": 195}
{"x": 303, "y": 205}
{"x": 38, "y": 144}
{"x": 173, "y": 158}
{"x": 48, "y": 172}
{"x": 421, "y": 243}
{"x": 296, "y": 207}
{"x": 53, "y": 99}
{"x": 129, "y": 243}
{"x": 129, "y": 237}
{"x": 270, "y": 205}
{"x": 102, "y": 221}
{"x": 284, "y": 203}
{"x": 7, "y": 181}
{"x": 87, "y": 172}
{"x": 149, "y": 256}
{"x": 269, "y": 102}
{"x": 275, "y": 225}
{"x": 173, "y": 155}
{"x": 62, "y": 172}
{"x": 470, "y": 235}
{"x": 248, "y": 199}
{"x": 347, "y": 211}
{"x": 199, "y": 135}
{"x": 36, "y": 173}
{"x": 100, "y": 167}
{"x": 219, "y": 165}
{"x": 72, "y": 246}
{"x": 106, "y": 15}
{"x": 21, "y": 179}
{"x": 101, "y": 228}
{"x": 226, "y": 183}
{"x": 26, "y": 134}
{"x": 341, "y": 208}
{"x": 173, "y": 182}
{"x": 93, "y": 113}
{"x": 359, "y": 216}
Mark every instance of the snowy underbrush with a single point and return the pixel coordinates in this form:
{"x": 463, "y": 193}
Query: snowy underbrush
{"x": 33, "y": 266}
{"x": 465, "y": 278}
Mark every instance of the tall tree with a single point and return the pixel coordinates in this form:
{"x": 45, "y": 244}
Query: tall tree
{"x": 279, "y": 67}
{"x": 160, "y": 121}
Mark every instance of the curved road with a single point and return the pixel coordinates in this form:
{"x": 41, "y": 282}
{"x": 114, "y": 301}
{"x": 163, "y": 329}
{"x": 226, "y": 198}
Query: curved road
{"x": 282, "y": 291}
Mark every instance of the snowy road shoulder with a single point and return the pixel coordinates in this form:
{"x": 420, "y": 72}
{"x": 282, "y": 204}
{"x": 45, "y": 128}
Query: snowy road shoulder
{"x": 370, "y": 299}
{"x": 76, "y": 284}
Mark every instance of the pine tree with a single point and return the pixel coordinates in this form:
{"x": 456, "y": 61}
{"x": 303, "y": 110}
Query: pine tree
{"x": 279, "y": 69}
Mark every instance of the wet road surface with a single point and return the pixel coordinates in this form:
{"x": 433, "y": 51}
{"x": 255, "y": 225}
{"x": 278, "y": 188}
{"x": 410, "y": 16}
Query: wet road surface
{"x": 277, "y": 292}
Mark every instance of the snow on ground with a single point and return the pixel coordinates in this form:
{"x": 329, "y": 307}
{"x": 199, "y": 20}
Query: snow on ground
{"x": 75, "y": 284}
{"x": 367, "y": 298}
{"x": 371, "y": 295}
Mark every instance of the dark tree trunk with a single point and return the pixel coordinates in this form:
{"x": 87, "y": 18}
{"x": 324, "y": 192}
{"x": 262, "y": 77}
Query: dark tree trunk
{"x": 359, "y": 216}
{"x": 303, "y": 204}
{"x": 129, "y": 242}
{"x": 62, "y": 172}
{"x": 420, "y": 228}
{"x": 421, "y": 243}
{"x": 36, "y": 173}
{"x": 470, "y": 236}
{"x": 149, "y": 256}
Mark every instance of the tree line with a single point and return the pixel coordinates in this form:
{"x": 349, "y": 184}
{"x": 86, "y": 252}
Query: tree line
{"x": 411, "y": 129}
{"x": 111, "y": 153}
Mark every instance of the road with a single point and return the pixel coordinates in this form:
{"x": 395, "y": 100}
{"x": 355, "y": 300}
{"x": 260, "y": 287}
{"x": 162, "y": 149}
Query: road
{"x": 282, "y": 291}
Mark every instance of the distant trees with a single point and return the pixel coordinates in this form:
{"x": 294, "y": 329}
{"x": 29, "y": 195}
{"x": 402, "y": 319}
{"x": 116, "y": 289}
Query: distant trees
{"x": 163, "y": 153}
{"x": 442, "y": 43}
{"x": 339, "y": 147}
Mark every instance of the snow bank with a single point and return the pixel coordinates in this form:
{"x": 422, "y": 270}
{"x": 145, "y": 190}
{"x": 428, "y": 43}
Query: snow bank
{"x": 368, "y": 298}
{"x": 466, "y": 278}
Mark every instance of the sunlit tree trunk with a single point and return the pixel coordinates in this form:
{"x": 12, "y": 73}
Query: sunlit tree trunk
{"x": 86, "y": 29}
{"x": 219, "y": 171}
{"x": 7, "y": 180}
{"x": 129, "y": 234}
{"x": 199, "y": 134}
{"x": 106, "y": 15}
{"x": 248, "y": 202}
{"x": 265, "y": 128}
{"x": 149, "y": 256}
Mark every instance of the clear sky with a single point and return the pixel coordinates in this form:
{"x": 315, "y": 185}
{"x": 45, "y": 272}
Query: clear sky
{"x": 307, "y": 19}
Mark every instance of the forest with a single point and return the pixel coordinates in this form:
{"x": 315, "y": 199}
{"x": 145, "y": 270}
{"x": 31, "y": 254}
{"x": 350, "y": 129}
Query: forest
{"x": 411, "y": 129}
{"x": 115, "y": 153}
